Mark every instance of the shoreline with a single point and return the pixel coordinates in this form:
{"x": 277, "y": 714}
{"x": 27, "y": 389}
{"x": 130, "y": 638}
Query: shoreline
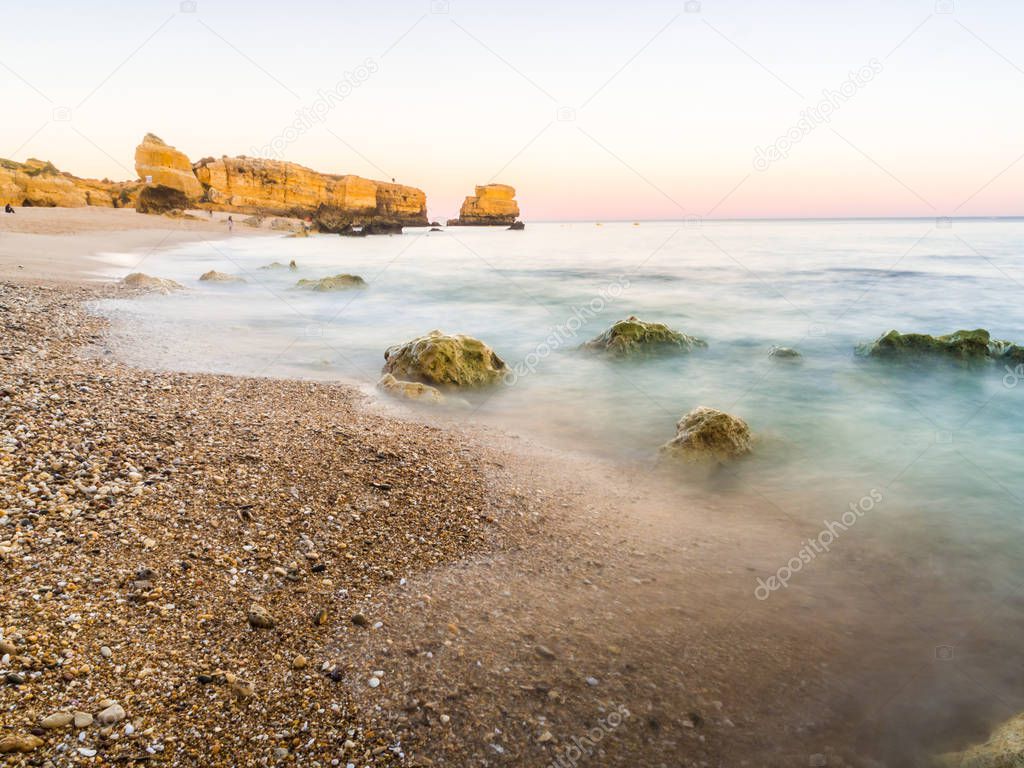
{"x": 523, "y": 592}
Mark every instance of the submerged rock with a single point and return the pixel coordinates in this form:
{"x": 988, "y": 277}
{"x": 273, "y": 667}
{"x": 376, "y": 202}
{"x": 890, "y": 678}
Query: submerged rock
{"x": 635, "y": 337}
{"x": 143, "y": 282}
{"x": 709, "y": 435}
{"x": 213, "y": 276}
{"x": 1004, "y": 749}
{"x": 409, "y": 390}
{"x": 784, "y": 353}
{"x": 332, "y": 283}
{"x": 445, "y": 359}
{"x": 961, "y": 345}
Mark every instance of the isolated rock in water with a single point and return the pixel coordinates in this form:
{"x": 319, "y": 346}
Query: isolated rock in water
{"x": 275, "y": 265}
{"x": 168, "y": 168}
{"x": 706, "y": 434}
{"x": 213, "y": 276}
{"x": 334, "y": 283}
{"x": 1004, "y": 749}
{"x": 517, "y": 225}
{"x": 19, "y": 743}
{"x": 143, "y": 282}
{"x": 159, "y": 199}
{"x": 961, "y": 345}
{"x": 635, "y": 337}
{"x": 783, "y": 353}
{"x": 492, "y": 205}
{"x": 409, "y": 390}
{"x": 445, "y": 359}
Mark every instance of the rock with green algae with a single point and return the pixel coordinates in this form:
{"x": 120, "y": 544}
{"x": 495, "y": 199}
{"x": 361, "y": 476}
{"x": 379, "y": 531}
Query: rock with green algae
{"x": 332, "y": 283}
{"x": 1006, "y": 352}
{"x": 445, "y": 360}
{"x": 632, "y": 337}
{"x": 278, "y": 265}
{"x": 410, "y": 390}
{"x": 707, "y": 435}
{"x": 1004, "y": 749}
{"x": 961, "y": 345}
{"x": 783, "y": 353}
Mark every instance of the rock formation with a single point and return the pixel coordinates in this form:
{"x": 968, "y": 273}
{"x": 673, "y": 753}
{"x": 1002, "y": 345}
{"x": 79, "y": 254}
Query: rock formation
{"x": 333, "y": 283}
{"x": 707, "y": 435}
{"x": 633, "y": 337}
{"x": 783, "y": 353}
{"x": 274, "y": 187}
{"x": 38, "y": 183}
{"x": 446, "y": 360}
{"x": 167, "y": 166}
{"x": 492, "y": 205}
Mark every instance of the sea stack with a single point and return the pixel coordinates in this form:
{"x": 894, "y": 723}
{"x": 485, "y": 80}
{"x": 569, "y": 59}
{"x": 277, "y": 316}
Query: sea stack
{"x": 168, "y": 179}
{"x": 493, "y": 205}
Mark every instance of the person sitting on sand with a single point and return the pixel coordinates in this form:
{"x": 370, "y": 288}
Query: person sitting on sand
{"x": 8, "y": 208}
{"x": 231, "y": 224}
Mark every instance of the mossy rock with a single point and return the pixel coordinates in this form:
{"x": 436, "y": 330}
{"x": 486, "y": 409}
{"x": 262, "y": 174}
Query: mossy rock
{"x": 633, "y": 337}
{"x": 709, "y": 436}
{"x": 445, "y": 359}
{"x": 333, "y": 283}
{"x": 1004, "y": 749}
{"x": 1006, "y": 352}
{"x": 961, "y": 345}
{"x": 784, "y": 353}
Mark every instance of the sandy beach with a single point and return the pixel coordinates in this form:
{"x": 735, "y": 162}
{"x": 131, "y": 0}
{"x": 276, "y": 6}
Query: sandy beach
{"x": 217, "y": 570}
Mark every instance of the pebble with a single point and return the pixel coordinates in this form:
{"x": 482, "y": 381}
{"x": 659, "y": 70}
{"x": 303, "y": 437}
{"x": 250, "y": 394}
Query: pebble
{"x": 112, "y": 714}
{"x": 19, "y": 743}
{"x": 544, "y": 652}
{"x": 57, "y": 720}
{"x": 82, "y": 720}
{"x": 300, "y": 662}
{"x": 374, "y": 682}
{"x": 259, "y": 617}
{"x": 593, "y": 681}
{"x": 360, "y": 620}
{"x": 105, "y": 652}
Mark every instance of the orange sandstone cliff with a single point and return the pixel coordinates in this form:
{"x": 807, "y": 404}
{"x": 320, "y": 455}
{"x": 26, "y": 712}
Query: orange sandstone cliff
{"x": 38, "y": 183}
{"x": 492, "y": 205}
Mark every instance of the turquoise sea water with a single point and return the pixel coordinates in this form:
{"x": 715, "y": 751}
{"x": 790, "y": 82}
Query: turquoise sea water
{"x": 819, "y": 286}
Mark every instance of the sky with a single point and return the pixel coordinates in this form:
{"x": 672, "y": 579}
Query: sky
{"x": 648, "y": 109}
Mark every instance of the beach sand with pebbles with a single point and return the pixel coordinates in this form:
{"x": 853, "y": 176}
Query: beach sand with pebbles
{"x": 212, "y": 570}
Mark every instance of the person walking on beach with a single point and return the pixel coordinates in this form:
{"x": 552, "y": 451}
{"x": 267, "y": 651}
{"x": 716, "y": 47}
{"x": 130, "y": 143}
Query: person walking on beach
{"x": 231, "y": 224}
{"x": 8, "y": 208}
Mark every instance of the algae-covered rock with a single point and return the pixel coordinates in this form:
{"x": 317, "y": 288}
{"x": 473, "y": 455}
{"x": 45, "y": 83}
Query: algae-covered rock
{"x": 1004, "y": 749}
{"x": 961, "y": 345}
{"x": 1006, "y": 352}
{"x": 143, "y": 282}
{"x": 783, "y": 353}
{"x": 278, "y": 265}
{"x": 213, "y": 276}
{"x": 333, "y": 283}
{"x": 631, "y": 337}
{"x": 409, "y": 390}
{"x": 446, "y": 360}
{"x": 707, "y": 435}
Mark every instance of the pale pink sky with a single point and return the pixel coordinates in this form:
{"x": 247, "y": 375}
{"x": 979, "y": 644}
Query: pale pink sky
{"x": 598, "y": 110}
